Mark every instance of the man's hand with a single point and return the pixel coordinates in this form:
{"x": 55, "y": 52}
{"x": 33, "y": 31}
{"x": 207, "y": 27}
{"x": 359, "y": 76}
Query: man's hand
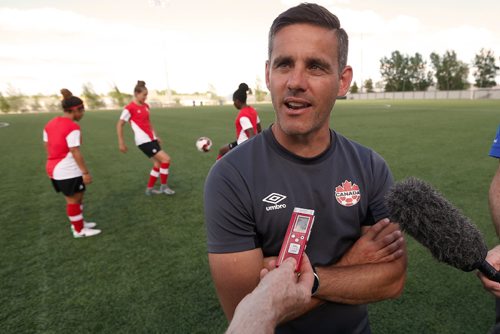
{"x": 123, "y": 148}
{"x": 288, "y": 292}
{"x": 159, "y": 140}
{"x": 383, "y": 242}
{"x": 87, "y": 178}
{"x": 493, "y": 258}
{"x": 279, "y": 294}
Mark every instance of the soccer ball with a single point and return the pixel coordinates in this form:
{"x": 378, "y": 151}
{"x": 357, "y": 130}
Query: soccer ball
{"x": 203, "y": 144}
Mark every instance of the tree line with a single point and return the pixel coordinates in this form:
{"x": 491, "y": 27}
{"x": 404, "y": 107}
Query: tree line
{"x": 402, "y": 72}
{"x": 14, "y": 100}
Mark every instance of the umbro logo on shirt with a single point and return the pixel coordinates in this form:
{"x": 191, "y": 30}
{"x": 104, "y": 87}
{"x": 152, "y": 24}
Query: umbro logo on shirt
{"x": 274, "y": 198}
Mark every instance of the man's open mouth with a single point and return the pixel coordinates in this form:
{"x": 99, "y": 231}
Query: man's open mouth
{"x": 297, "y": 105}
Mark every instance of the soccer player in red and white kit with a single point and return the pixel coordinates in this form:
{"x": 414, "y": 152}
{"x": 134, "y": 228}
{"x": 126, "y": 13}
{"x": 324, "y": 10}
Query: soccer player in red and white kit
{"x": 137, "y": 113}
{"x": 65, "y": 164}
{"x": 247, "y": 122}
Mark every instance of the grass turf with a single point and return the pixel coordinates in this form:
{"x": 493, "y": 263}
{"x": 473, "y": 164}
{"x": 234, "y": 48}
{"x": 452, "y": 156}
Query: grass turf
{"x": 148, "y": 272}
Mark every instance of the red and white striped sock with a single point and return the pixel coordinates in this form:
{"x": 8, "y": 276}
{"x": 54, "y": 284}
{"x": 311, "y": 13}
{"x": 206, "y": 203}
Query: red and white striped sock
{"x": 164, "y": 172}
{"x": 153, "y": 176}
{"x": 75, "y": 216}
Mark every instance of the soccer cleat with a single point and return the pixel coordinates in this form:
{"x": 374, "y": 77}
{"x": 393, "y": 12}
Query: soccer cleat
{"x": 89, "y": 224}
{"x": 166, "y": 190}
{"x": 85, "y": 232}
{"x": 152, "y": 191}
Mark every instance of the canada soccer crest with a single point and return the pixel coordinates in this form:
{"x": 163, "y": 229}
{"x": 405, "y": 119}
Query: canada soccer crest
{"x": 347, "y": 194}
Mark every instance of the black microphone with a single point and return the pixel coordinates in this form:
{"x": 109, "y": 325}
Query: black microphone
{"x": 439, "y": 226}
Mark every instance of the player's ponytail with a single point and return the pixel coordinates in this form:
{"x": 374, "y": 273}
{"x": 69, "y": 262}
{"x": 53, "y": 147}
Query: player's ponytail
{"x": 70, "y": 102}
{"x": 241, "y": 93}
{"x": 140, "y": 87}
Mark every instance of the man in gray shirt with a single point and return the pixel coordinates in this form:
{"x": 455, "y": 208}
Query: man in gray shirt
{"x": 358, "y": 255}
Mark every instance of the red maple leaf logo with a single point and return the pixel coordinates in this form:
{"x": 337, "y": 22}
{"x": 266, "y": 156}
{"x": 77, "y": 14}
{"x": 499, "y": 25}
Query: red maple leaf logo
{"x": 347, "y": 194}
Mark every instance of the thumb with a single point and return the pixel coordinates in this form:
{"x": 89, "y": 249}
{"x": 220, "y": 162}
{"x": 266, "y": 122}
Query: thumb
{"x": 289, "y": 264}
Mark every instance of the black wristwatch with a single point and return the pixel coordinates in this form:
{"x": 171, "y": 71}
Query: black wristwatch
{"x": 316, "y": 282}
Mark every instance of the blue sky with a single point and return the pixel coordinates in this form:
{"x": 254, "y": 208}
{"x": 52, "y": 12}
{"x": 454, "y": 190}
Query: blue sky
{"x": 190, "y": 45}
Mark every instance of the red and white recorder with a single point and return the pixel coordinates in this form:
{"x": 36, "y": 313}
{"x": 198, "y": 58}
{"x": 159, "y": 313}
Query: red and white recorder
{"x": 297, "y": 235}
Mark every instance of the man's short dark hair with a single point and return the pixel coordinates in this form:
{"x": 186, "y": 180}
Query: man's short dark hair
{"x": 316, "y": 15}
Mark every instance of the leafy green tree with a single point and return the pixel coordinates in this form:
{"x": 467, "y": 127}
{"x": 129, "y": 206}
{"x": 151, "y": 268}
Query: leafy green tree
{"x": 4, "y": 105}
{"x": 354, "y": 88}
{"x": 92, "y": 99}
{"x": 485, "y": 69}
{"x": 368, "y": 85}
{"x": 402, "y": 72}
{"x": 394, "y": 71}
{"x": 119, "y": 98}
{"x": 451, "y": 73}
{"x": 420, "y": 78}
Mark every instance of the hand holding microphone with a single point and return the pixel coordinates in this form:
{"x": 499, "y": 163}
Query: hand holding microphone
{"x": 493, "y": 257}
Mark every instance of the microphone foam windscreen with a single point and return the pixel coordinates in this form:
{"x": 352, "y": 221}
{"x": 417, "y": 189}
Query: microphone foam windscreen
{"x": 433, "y": 221}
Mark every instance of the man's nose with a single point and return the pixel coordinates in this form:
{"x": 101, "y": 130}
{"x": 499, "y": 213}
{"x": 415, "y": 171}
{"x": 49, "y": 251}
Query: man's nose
{"x": 297, "y": 81}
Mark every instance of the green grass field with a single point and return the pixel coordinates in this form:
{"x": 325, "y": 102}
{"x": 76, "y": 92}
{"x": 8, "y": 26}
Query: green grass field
{"x": 147, "y": 272}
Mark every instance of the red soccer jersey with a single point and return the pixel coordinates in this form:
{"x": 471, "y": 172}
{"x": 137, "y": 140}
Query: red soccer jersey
{"x": 138, "y": 116}
{"x": 61, "y": 134}
{"x": 247, "y": 119}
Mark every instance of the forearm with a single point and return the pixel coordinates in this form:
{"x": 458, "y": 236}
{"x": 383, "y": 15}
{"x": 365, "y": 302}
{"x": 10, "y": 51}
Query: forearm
{"x": 254, "y": 314}
{"x": 362, "y": 284}
{"x": 119, "y": 131}
{"x": 77, "y": 155}
{"x": 494, "y": 199}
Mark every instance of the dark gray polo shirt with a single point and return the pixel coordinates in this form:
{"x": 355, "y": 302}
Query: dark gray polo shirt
{"x": 250, "y": 195}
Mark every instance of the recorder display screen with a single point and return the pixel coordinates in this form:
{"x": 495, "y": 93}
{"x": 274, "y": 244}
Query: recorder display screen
{"x": 301, "y": 224}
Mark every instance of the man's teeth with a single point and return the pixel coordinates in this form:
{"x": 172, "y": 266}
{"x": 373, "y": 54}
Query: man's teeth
{"x": 296, "y": 105}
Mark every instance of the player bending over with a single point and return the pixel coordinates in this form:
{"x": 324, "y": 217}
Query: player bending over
{"x": 247, "y": 122}
{"x": 65, "y": 165}
{"x": 137, "y": 113}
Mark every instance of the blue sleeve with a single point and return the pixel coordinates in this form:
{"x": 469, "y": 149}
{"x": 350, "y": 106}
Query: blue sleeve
{"x": 495, "y": 148}
{"x": 229, "y": 218}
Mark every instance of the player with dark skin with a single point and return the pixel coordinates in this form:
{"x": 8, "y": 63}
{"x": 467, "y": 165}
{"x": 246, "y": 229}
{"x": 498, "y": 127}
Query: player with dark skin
{"x": 240, "y": 103}
{"x": 304, "y": 78}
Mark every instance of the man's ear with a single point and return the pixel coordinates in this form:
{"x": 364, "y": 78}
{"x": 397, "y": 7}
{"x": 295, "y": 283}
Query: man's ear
{"x": 345, "y": 81}
{"x": 268, "y": 64}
